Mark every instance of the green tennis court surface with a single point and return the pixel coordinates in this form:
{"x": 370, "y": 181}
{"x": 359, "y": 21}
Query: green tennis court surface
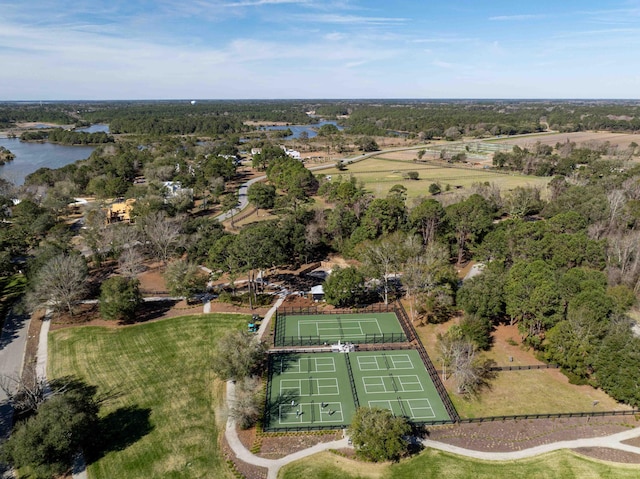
{"x": 399, "y": 381}
{"x": 309, "y": 391}
{"x": 304, "y": 330}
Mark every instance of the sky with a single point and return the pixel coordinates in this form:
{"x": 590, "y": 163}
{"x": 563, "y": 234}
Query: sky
{"x": 321, "y": 49}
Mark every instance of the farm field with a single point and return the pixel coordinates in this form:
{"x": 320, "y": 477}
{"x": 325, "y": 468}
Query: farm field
{"x": 158, "y": 386}
{"x": 621, "y": 140}
{"x": 437, "y": 464}
{"x": 519, "y": 392}
{"x": 379, "y": 174}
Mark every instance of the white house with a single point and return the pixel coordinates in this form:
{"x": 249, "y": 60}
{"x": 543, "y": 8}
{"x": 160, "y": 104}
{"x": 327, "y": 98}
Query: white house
{"x": 174, "y": 188}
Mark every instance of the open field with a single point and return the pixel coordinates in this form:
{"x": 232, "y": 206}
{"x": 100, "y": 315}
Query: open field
{"x": 621, "y": 140}
{"x": 519, "y": 392}
{"x": 159, "y": 390}
{"x": 379, "y": 174}
{"x": 437, "y": 464}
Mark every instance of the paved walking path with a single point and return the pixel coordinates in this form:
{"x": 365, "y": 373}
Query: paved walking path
{"x": 613, "y": 441}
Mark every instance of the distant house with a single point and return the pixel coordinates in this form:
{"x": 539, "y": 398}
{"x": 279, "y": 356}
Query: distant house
{"x": 295, "y": 154}
{"x": 120, "y": 211}
{"x": 174, "y": 188}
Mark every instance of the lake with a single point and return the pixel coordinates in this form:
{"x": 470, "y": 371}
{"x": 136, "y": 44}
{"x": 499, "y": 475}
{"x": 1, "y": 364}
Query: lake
{"x": 297, "y": 129}
{"x": 32, "y": 156}
{"x": 95, "y": 128}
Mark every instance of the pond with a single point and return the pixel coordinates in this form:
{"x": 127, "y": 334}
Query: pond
{"x": 95, "y": 128}
{"x": 32, "y": 156}
{"x": 312, "y": 130}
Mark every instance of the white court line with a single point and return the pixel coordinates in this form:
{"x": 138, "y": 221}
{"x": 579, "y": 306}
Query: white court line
{"x": 325, "y": 363}
{"x": 407, "y": 380}
{"x": 416, "y": 415}
{"x": 367, "y": 384}
{"x": 333, "y": 324}
{"x": 295, "y": 385}
{"x": 288, "y": 415}
{"x": 291, "y": 388}
{"x": 400, "y": 359}
{"x": 374, "y": 361}
{"x": 330, "y": 383}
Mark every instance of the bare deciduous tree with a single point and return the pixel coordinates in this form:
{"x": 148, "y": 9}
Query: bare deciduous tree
{"x": 246, "y": 409}
{"x": 25, "y": 394}
{"x": 470, "y": 371}
{"x": 60, "y": 283}
{"x": 162, "y": 233}
{"x": 131, "y": 262}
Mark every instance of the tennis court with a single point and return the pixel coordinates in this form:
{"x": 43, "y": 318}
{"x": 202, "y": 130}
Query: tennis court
{"x": 397, "y": 380}
{"x": 316, "y": 390}
{"x": 309, "y": 391}
{"x": 304, "y": 330}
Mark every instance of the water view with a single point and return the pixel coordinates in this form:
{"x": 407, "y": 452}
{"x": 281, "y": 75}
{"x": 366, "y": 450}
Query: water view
{"x": 296, "y": 130}
{"x": 32, "y": 156}
{"x": 95, "y": 128}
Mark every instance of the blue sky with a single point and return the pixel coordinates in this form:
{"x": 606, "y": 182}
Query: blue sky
{"x": 223, "y": 49}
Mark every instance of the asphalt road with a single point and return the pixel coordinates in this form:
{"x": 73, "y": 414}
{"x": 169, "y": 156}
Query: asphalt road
{"x": 12, "y": 346}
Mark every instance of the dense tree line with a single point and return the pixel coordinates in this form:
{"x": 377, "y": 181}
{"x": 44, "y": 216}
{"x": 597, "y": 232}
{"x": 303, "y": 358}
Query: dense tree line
{"x": 57, "y": 113}
{"x": 67, "y": 137}
{"x": 431, "y": 118}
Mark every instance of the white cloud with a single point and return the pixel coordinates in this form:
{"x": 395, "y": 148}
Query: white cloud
{"x": 516, "y": 18}
{"x": 350, "y": 19}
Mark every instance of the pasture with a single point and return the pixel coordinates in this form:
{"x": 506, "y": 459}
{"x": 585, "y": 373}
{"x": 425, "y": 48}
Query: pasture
{"x": 581, "y": 138}
{"x": 159, "y": 390}
{"x": 381, "y": 173}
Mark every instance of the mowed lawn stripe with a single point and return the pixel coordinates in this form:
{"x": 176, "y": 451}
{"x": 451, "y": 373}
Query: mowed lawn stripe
{"x": 162, "y": 367}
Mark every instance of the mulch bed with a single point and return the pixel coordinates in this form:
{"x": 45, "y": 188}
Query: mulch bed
{"x": 277, "y": 446}
{"x": 607, "y": 454}
{"x": 249, "y": 471}
{"x": 506, "y": 436}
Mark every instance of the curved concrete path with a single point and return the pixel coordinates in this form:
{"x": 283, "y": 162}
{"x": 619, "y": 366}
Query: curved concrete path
{"x": 613, "y": 441}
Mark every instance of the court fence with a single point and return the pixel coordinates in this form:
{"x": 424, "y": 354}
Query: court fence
{"x": 352, "y": 382}
{"x": 433, "y": 373}
{"x": 281, "y": 340}
{"x": 516, "y": 417}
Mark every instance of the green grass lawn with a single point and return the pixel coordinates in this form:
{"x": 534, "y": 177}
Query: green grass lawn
{"x": 159, "y": 390}
{"x": 436, "y": 464}
{"x": 519, "y": 392}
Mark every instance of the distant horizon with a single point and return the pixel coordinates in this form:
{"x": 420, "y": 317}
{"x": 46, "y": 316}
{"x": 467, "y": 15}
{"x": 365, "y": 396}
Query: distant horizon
{"x": 385, "y": 99}
{"x": 53, "y": 50}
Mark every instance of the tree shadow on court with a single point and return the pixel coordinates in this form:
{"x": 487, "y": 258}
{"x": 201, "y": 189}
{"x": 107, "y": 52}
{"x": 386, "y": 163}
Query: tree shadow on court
{"x": 282, "y": 404}
{"x": 282, "y": 362}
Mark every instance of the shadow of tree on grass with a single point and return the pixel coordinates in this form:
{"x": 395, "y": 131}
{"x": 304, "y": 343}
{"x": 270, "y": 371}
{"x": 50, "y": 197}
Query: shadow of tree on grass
{"x": 119, "y": 430}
